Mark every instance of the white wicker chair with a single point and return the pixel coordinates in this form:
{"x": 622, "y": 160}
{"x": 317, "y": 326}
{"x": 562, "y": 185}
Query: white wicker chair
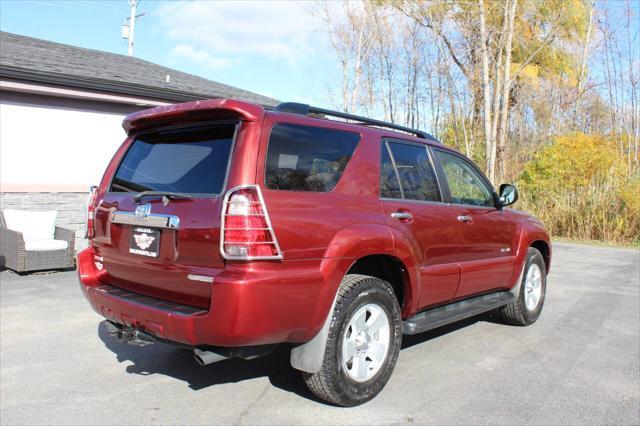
{"x": 30, "y": 241}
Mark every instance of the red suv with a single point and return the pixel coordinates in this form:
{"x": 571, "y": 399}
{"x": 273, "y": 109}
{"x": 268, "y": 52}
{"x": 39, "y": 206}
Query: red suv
{"x": 227, "y": 228}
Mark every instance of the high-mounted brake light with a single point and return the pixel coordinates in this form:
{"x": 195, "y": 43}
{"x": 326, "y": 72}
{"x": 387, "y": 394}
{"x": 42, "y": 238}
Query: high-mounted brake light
{"x": 91, "y": 212}
{"x": 245, "y": 229}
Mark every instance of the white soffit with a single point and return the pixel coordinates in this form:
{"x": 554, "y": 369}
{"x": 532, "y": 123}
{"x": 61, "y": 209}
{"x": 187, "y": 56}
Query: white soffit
{"x": 43, "y": 89}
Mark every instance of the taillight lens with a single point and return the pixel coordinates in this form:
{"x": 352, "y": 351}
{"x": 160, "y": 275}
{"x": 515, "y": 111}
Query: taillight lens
{"x": 91, "y": 212}
{"x": 246, "y": 231}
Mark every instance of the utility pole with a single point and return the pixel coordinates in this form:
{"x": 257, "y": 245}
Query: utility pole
{"x": 128, "y": 29}
{"x": 132, "y": 24}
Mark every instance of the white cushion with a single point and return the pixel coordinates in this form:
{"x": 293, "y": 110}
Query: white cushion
{"x": 32, "y": 225}
{"x": 45, "y": 245}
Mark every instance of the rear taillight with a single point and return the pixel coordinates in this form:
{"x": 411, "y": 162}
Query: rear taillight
{"x": 245, "y": 228}
{"x": 91, "y": 212}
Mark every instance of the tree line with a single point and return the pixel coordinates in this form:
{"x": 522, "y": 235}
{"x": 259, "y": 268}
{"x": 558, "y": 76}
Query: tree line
{"x": 509, "y": 83}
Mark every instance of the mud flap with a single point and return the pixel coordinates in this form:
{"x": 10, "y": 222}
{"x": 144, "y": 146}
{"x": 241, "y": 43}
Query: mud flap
{"x": 308, "y": 357}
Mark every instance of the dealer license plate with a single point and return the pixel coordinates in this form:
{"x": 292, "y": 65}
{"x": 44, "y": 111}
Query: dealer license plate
{"x": 145, "y": 241}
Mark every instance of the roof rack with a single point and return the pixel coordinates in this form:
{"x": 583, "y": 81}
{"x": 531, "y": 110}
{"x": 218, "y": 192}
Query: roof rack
{"x": 304, "y": 109}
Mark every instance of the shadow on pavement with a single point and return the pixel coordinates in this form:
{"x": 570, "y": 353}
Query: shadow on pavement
{"x": 160, "y": 358}
{"x": 416, "y": 339}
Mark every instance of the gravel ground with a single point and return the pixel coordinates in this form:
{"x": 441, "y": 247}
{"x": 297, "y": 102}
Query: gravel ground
{"x": 579, "y": 364}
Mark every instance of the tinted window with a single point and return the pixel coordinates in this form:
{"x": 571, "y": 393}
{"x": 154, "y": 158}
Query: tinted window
{"x": 305, "y": 158}
{"x": 389, "y": 186}
{"x": 465, "y": 184}
{"x": 192, "y": 161}
{"x": 417, "y": 177}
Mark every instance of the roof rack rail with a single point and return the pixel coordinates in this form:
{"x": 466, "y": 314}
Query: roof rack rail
{"x": 304, "y": 109}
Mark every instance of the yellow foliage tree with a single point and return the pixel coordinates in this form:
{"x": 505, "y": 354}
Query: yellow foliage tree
{"x": 579, "y": 187}
{"x": 571, "y": 162}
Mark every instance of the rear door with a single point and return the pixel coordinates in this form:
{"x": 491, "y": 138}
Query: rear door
{"x": 166, "y": 246}
{"x": 487, "y": 235}
{"x": 411, "y": 202}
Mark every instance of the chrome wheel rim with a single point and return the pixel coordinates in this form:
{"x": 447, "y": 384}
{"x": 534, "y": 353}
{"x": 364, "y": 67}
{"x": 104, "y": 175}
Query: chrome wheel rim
{"x": 533, "y": 287}
{"x": 365, "y": 343}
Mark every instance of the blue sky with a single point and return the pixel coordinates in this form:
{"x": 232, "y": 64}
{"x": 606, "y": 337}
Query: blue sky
{"x": 275, "y": 48}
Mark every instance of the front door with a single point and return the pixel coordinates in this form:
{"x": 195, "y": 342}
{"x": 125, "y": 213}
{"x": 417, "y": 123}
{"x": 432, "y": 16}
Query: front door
{"x": 411, "y": 202}
{"x": 487, "y": 237}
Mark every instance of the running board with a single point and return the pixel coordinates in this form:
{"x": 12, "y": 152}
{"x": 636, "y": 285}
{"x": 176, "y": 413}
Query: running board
{"x": 443, "y": 315}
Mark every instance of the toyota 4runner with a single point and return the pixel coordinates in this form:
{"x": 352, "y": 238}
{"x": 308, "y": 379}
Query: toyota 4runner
{"x": 227, "y": 228}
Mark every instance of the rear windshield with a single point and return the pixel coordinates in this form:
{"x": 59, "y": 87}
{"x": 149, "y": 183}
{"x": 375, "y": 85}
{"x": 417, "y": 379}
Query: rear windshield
{"x": 191, "y": 161}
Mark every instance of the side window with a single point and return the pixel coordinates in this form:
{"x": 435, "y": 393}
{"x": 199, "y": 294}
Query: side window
{"x": 465, "y": 184}
{"x": 306, "y": 158}
{"x": 414, "y": 171}
{"x": 389, "y": 185}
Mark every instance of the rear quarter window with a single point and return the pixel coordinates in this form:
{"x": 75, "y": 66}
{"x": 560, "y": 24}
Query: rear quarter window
{"x": 307, "y": 158}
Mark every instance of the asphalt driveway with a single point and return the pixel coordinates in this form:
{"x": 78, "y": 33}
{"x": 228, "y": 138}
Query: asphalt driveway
{"x": 579, "y": 364}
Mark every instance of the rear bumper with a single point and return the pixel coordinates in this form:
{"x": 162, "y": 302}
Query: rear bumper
{"x": 251, "y": 304}
{"x": 174, "y": 322}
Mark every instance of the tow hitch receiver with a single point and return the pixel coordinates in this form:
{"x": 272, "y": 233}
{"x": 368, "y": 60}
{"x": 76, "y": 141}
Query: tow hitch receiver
{"x": 129, "y": 335}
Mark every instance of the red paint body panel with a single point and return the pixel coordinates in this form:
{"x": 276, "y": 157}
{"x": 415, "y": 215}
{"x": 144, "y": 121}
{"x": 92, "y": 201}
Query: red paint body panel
{"x": 192, "y": 249}
{"x": 433, "y": 232}
{"x": 321, "y": 236}
{"x": 486, "y": 252}
{"x": 195, "y": 111}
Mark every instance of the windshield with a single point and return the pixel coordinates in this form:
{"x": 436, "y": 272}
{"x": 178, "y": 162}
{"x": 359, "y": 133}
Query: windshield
{"x": 190, "y": 161}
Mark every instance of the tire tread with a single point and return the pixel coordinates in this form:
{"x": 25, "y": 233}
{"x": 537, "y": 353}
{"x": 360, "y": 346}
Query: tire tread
{"x": 514, "y": 313}
{"x": 324, "y": 383}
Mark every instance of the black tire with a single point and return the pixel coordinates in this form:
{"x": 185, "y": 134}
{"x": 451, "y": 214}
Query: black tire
{"x": 516, "y": 313}
{"x": 332, "y": 383}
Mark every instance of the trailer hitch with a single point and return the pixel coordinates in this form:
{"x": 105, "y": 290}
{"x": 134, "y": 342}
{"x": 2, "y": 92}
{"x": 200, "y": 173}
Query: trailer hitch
{"x": 129, "y": 335}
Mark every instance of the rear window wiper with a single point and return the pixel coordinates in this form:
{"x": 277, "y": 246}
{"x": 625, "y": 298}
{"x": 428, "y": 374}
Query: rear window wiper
{"x": 170, "y": 195}
{"x": 128, "y": 186}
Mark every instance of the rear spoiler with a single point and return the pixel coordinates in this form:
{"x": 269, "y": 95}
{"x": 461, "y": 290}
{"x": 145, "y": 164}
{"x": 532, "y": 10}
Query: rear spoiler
{"x": 192, "y": 111}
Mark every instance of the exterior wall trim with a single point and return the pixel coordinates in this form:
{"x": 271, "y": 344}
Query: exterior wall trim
{"x": 169, "y": 95}
{"x": 56, "y": 91}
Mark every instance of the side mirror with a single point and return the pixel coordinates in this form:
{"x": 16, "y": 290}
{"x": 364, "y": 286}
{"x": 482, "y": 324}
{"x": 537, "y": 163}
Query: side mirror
{"x": 508, "y": 194}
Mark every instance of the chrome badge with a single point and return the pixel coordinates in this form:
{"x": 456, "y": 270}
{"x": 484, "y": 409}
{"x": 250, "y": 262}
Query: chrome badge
{"x": 202, "y": 278}
{"x": 142, "y": 211}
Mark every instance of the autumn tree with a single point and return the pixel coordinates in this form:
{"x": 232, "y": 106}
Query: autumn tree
{"x": 499, "y": 80}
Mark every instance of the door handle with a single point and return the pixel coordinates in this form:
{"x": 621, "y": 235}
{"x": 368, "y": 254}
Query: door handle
{"x": 464, "y": 218}
{"x": 402, "y": 215}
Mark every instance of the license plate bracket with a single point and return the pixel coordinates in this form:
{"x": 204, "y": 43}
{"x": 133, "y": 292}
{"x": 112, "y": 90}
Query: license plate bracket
{"x": 145, "y": 241}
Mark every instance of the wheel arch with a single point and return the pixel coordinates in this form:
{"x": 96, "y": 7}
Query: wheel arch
{"x": 388, "y": 268}
{"x": 531, "y": 235}
{"x": 364, "y": 245}
{"x": 544, "y": 247}
{"x": 309, "y": 356}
